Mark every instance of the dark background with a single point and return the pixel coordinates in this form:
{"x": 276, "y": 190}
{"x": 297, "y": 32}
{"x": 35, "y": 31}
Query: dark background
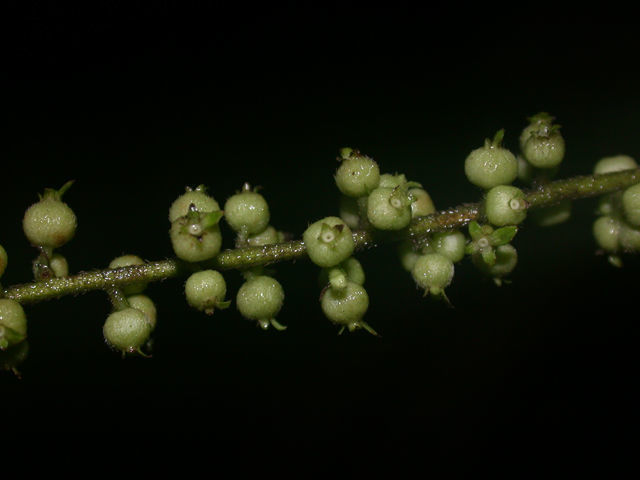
{"x": 135, "y": 103}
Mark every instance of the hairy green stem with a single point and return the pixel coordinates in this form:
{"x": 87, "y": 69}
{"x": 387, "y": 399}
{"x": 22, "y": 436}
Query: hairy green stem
{"x": 241, "y": 258}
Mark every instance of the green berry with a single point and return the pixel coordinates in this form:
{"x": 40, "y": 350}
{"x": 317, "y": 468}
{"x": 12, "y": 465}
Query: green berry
{"x": 450, "y": 244}
{"x": 128, "y": 261}
{"x": 260, "y": 298}
{"x": 205, "y": 291}
{"x": 505, "y": 205}
{"x": 196, "y": 236}
{"x": 615, "y": 163}
{"x": 389, "y": 208}
{"x": 526, "y": 171}
{"x": 59, "y": 265}
{"x": 127, "y": 330}
{"x": 13, "y": 323}
{"x": 433, "y": 272}
{"x": 347, "y": 306}
{"x": 50, "y": 222}
{"x": 631, "y": 205}
{"x": 629, "y": 238}
{"x": 357, "y": 175}
{"x": 392, "y": 180}
{"x": 506, "y": 259}
{"x": 247, "y": 212}
{"x": 407, "y": 254}
{"x": 201, "y": 201}
{"x": 349, "y": 270}
{"x": 552, "y": 215}
{"x": 328, "y": 241}
{"x": 4, "y": 259}
{"x": 421, "y": 203}
{"x": 535, "y": 122}
{"x": 268, "y": 236}
{"x": 606, "y": 231}
{"x": 545, "y": 147}
{"x": 146, "y": 306}
{"x": 491, "y": 165}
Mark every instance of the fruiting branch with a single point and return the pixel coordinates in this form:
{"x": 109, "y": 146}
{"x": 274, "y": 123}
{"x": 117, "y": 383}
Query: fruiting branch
{"x": 574, "y": 188}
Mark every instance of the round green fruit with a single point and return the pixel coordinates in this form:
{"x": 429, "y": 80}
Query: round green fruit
{"x": 505, "y": 205}
{"x": 357, "y": 175}
{"x": 127, "y": 330}
{"x": 13, "y": 323}
{"x": 260, "y": 298}
{"x": 201, "y": 201}
{"x": 205, "y": 291}
{"x": 389, "y": 208}
{"x": 328, "y": 241}
{"x": 491, "y": 165}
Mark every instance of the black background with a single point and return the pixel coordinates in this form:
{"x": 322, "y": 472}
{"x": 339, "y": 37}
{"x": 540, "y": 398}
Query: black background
{"x": 135, "y": 103}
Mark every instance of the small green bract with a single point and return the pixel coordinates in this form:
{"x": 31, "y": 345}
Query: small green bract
{"x": 247, "y": 212}
{"x": 328, "y": 241}
{"x": 505, "y": 205}
{"x": 260, "y": 298}
{"x": 205, "y": 291}
{"x": 491, "y": 165}
{"x": 389, "y": 208}
{"x": 50, "y": 222}
{"x": 127, "y": 330}
{"x": 357, "y": 175}
{"x": 13, "y": 323}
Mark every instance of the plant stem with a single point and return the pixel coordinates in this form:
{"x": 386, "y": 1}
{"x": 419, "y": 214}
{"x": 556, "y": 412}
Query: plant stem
{"x": 241, "y": 258}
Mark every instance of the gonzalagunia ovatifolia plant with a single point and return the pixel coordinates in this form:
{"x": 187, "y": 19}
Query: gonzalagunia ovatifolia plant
{"x": 376, "y": 208}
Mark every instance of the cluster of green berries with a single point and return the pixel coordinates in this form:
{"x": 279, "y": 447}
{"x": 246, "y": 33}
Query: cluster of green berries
{"x": 617, "y": 226}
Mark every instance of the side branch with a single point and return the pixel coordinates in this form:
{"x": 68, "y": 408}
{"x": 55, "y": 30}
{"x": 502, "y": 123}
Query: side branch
{"x": 241, "y": 258}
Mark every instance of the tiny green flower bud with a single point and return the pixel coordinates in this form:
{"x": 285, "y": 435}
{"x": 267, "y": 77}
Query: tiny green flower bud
{"x": 260, "y": 298}
{"x": 4, "y": 259}
{"x": 545, "y": 147}
{"x": 247, "y": 212}
{"x": 616, "y": 163}
{"x": 346, "y": 307}
{"x": 201, "y": 201}
{"x": 357, "y": 175}
{"x": 59, "y": 265}
{"x": 433, "y": 272}
{"x": 50, "y": 222}
{"x": 450, "y": 244}
{"x": 127, "y": 261}
{"x": 505, "y": 205}
{"x": 389, "y": 208}
{"x": 329, "y": 241}
{"x": 268, "y": 236}
{"x": 491, "y": 164}
{"x": 421, "y": 203}
{"x": 631, "y": 205}
{"x": 13, "y": 323}
{"x": 205, "y": 291}
{"x": 127, "y": 330}
{"x": 146, "y": 306}
{"x": 606, "y": 231}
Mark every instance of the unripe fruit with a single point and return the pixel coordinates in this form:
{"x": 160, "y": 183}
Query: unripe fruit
{"x": 146, "y": 306}
{"x": 328, "y": 241}
{"x": 606, "y": 231}
{"x": 198, "y": 198}
{"x": 4, "y": 259}
{"x": 13, "y": 323}
{"x": 421, "y": 203}
{"x": 127, "y": 261}
{"x": 127, "y": 330}
{"x": 247, "y": 212}
{"x": 631, "y": 205}
{"x": 50, "y": 222}
{"x": 346, "y": 307}
{"x": 535, "y": 122}
{"x": 629, "y": 238}
{"x": 526, "y": 171}
{"x": 433, "y": 272}
{"x": 450, "y": 244}
{"x": 407, "y": 254}
{"x": 59, "y": 265}
{"x": 505, "y": 205}
{"x": 545, "y": 147}
{"x": 506, "y": 260}
{"x": 260, "y": 298}
{"x": 203, "y": 244}
{"x": 205, "y": 291}
{"x": 351, "y": 269}
{"x": 357, "y": 175}
{"x": 392, "y": 180}
{"x": 615, "y": 163}
{"x": 389, "y": 208}
{"x": 491, "y": 164}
